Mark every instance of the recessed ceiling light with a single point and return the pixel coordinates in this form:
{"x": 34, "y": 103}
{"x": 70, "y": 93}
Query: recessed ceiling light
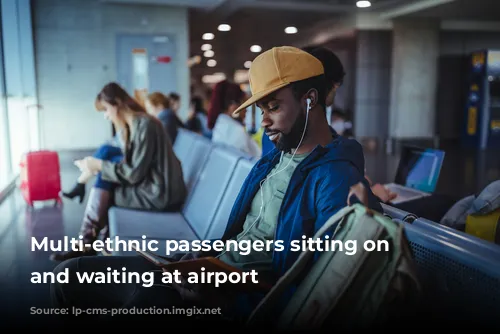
{"x": 224, "y": 27}
{"x": 247, "y": 64}
{"x": 363, "y": 4}
{"x": 255, "y": 48}
{"x": 291, "y": 30}
{"x": 213, "y": 78}
{"x": 209, "y": 53}
{"x": 211, "y": 63}
{"x": 208, "y": 36}
{"x": 206, "y": 47}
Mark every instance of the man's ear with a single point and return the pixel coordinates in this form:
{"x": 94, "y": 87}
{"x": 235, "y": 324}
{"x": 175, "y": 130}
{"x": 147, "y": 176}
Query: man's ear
{"x": 313, "y": 95}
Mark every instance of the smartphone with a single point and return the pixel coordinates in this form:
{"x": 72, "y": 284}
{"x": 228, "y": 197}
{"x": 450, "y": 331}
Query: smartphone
{"x": 156, "y": 259}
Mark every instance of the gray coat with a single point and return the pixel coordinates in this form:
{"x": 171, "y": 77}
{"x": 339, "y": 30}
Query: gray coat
{"x": 150, "y": 177}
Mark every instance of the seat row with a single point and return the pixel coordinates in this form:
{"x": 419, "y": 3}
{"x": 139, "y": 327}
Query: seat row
{"x": 459, "y": 272}
{"x": 213, "y": 175}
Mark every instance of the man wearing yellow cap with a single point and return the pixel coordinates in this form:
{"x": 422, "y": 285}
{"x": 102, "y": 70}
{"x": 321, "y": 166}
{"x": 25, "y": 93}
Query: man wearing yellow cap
{"x": 290, "y": 193}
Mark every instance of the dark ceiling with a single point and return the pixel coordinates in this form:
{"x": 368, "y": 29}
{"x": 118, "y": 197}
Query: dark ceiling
{"x": 481, "y": 10}
{"x": 248, "y": 27}
{"x": 260, "y": 22}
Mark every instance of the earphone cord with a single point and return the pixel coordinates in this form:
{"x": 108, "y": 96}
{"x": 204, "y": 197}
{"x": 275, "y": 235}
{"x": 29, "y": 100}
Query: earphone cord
{"x": 270, "y": 176}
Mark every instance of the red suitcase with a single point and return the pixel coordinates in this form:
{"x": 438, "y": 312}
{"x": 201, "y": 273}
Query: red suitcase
{"x": 40, "y": 176}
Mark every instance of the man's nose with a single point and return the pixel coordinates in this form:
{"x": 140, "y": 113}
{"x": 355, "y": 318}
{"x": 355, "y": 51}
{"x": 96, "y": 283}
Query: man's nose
{"x": 266, "y": 121}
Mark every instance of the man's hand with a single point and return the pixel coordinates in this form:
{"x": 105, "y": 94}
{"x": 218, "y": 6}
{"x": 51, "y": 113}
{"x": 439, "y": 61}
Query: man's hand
{"x": 202, "y": 294}
{"x": 191, "y": 256}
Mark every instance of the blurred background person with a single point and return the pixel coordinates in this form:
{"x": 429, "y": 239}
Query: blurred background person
{"x": 159, "y": 106}
{"x": 197, "y": 120}
{"x": 229, "y": 130}
{"x": 340, "y": 123}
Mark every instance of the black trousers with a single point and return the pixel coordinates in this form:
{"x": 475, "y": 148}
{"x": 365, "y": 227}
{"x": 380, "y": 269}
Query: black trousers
{"x": 123, "y": 304}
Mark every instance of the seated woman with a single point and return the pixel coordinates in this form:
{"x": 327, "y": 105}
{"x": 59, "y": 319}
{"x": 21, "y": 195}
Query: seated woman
{"x": 230, "y": 131}
{"x": 147, "y": 177}
{"x": 112, "y": 151}
{"x": 158, "y": 105}
{"x": 197, "y": 120}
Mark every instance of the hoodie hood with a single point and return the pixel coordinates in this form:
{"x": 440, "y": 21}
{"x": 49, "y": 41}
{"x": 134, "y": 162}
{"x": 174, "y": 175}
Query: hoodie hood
{"x": 340, "y": 149}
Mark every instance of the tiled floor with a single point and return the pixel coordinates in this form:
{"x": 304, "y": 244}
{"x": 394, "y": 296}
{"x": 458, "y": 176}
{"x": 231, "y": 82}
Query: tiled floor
{"x": 463, "y": 173}
{"x": 18, "y": 224}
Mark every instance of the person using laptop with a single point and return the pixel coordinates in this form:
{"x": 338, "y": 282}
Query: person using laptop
{"x": 417, "y": 174}
{"x": 384, "y": 194}
{"x": 416, "y": 181}
{"x": 288, "y": 194}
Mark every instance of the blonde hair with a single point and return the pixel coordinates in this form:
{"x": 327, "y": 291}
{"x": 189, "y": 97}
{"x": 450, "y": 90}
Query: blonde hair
{"x": 159, "y": 99}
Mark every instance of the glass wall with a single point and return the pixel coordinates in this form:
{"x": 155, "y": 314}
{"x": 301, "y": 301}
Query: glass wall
{"x": 5, "y": 163}
{"x": 18, "y": 105}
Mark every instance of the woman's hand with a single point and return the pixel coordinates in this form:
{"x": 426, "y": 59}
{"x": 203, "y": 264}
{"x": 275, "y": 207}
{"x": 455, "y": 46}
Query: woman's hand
{"x": 89, "y": 164}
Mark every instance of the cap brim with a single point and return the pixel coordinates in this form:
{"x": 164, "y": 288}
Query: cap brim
{"x": 257, "y": 97}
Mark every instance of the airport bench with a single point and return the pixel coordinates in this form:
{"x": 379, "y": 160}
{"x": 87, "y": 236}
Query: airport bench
{"x": 206, "y": 210}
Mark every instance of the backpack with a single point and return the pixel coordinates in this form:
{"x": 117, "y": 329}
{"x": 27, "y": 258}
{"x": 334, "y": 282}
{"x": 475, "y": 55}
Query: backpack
{"x": 356, "y": 291}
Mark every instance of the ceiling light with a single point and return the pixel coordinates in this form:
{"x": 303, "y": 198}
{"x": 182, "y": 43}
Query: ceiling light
{"x": 206, "y": 47}
{"x": 241, "y": 76}
{"x": 363, "y": 4}
{"x": 208, "y": 36}
{"x": 247, "y": 64}
{"x": 291, "y": 30}
{"x": 211, "y": 63}
{"x": 255, "y": 48}
{"x": 209, "y": 53}
{"x": 224, "y": 27}
{"x": 213, "y": 78}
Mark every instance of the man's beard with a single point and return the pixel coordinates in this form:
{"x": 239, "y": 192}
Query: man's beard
{"x": 291, "y": 140}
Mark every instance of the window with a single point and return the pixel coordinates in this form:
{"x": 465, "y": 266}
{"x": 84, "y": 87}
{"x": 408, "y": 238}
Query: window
{"x": 18, "y": 119}
{"x": 5, "y": 161}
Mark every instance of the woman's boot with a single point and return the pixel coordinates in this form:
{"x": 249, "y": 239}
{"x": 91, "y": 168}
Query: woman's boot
{"x": 79, "y": 188}
{"x": 94, "y": 220}
{"x": 77, "y": 191}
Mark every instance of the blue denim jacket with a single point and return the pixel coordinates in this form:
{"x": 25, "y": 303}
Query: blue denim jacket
{"x": 171, "y": 123}
{"x": 318, "y": 189}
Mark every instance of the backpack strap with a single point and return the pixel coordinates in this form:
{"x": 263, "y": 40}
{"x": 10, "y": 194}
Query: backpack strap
{"x": 270, "y": 300}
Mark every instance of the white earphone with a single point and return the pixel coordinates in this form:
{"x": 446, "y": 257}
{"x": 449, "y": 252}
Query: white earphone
{"x": 270, "y": 176}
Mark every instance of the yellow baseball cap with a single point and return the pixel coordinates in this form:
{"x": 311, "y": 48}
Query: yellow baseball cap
{"x": 277, "y": 68}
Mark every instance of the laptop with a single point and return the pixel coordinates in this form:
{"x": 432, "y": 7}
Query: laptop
{"x": 417, "y": 174}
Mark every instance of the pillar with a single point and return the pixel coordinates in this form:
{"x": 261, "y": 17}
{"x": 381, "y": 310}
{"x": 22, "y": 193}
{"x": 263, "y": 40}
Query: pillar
{"x": 415, "y": 52}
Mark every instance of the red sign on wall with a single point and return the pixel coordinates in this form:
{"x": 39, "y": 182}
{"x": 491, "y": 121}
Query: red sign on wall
{"x": 164, "y": 59}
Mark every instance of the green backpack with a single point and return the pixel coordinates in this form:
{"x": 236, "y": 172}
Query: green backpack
{"x": 362, "y": 290}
